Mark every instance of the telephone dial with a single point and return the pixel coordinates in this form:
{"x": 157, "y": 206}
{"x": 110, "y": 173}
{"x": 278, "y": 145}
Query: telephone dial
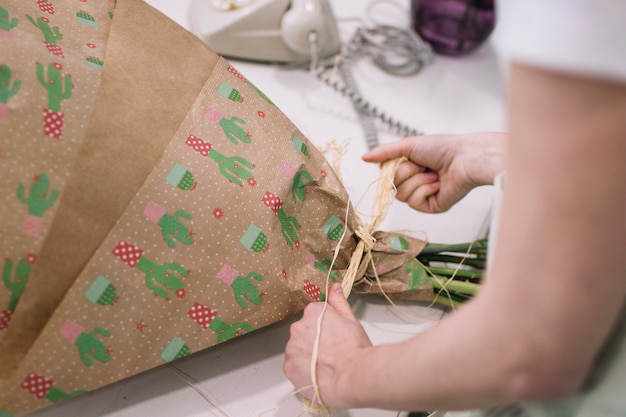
{"x": 281, "y": 31}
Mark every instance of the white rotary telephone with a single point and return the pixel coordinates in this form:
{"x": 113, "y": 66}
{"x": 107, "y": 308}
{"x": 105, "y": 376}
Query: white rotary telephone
{"x": 281, "y": 31}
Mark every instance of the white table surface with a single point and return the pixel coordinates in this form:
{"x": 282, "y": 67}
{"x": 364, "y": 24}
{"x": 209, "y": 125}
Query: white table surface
{"x": 244, "y": 376}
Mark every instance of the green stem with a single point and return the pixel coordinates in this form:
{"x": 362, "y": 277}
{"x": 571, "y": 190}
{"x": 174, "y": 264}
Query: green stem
{"x": 443, "y": 300}
{"x": 456, "y": 273}
{"x": 451, "y": 285}
{"x": 475, "y": 247}
{"x": 454, "y": 259}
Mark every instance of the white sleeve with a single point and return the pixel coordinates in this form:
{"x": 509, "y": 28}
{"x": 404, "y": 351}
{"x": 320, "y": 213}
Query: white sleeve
{"x": 578, "y": 36}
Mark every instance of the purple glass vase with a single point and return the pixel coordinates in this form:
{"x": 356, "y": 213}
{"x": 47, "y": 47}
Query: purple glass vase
{"x": 453, "y": 27}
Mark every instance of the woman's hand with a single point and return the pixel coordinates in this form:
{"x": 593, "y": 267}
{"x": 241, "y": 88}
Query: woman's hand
{"x": 341, "y": 339}
{"x": 442, "y": 169}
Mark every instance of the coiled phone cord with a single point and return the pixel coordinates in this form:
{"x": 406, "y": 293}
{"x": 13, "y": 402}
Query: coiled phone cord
{"x": 396, "y": 51}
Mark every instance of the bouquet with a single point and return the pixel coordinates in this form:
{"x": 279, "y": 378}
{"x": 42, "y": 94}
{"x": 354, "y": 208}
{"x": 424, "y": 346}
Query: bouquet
{"x": 151, "y": 215}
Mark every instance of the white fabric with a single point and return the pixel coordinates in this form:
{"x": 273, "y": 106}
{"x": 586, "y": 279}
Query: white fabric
{"x": 580, "y": 36}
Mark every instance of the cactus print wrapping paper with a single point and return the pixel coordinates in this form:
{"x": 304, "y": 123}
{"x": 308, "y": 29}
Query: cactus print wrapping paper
{"x": 233, "y": 229}
{"x": 51, "y": 63}
{"x": 121, "y": 128}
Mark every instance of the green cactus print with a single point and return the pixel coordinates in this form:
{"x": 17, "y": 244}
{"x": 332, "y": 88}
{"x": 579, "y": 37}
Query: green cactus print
{"x": 227, "y": 91}
{"x": 40, "y": 198}
{"x": 288, "y": 227}
{"x": 94, "y": 62}
{"x": 160, "y": 278}
{"x": 50, "y": 34}
{"x": 417, "y": 273}
{"x": 288, "y": 224}
{"x": 176, "y": 349}
{"x": 55, "y": 395}
{"x": 15, "y": 280}
{"x": 8, "y": 88}
{"x": 232, "y": 127}
{"x": 234, "y": 168}
{"x": 398, "y": 243}
{"x": 179, "y": 177}
{"x": 300, "y": 145}
{"x": 59, "y": 87}
{"x": 207, "y": 318}
{"x": 42, "y": 387}
{"x": 101, "y": 292}
{"x": 90, "y": 347}
{"x": 86, "y": 19}
{"x": 234, "y": 131}
{"x": 333, "y": 228}
{"x": 229, "y": 331}
{"x": 245, "y": 289}
{"x": 7, "y": 23}
{"x": 299, "y": 185}
{"x": 172, "y": 228}
{"x": 324, "y": 266}
{"x": 254, "y": 239}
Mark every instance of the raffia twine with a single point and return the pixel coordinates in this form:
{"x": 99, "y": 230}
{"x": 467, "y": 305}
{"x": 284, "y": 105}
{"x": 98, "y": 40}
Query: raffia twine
{"x": 361, "y": 258}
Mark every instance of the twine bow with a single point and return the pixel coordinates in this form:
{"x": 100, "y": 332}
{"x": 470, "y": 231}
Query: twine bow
{"x": 385, "y": 193}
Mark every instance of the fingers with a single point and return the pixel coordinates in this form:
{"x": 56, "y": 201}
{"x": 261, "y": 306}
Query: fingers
{"x": 389, "y": 151}
{"x": 339, "y": 303}
{"x": 414, "y": 185}
{"x": 406, "y": 170}
{"x": 421, "y": 198}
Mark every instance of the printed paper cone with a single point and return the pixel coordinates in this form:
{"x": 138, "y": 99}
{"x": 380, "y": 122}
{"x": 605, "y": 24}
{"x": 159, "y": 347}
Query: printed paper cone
{"x": 268, "y": 243}
{"x": 47, "y": 93}
{"x": 98, "y": 190}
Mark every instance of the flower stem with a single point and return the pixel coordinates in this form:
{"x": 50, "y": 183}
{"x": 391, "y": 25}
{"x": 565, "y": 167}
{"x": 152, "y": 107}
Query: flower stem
{"x": 461, "y": 287}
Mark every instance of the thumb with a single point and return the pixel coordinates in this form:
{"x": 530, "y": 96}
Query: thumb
{"x": 339, "y": 302}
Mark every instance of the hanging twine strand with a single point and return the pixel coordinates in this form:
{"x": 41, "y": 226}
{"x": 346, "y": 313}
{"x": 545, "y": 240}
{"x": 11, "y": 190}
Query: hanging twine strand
{"x": 385, "y": 193}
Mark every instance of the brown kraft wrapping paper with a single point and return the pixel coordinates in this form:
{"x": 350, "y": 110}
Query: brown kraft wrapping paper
{"x": 139, "y": 107}
{"x": 229, "y": 224}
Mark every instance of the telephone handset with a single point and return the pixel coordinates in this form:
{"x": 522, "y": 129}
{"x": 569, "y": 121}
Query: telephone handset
{"x": 281, "y": 31}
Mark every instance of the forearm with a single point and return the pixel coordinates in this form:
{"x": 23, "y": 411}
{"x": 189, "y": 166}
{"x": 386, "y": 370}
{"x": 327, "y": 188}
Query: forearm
{"x": 462, "y": 363}
{"x": 485, "y": 157}
{"x": 557, "y": 285}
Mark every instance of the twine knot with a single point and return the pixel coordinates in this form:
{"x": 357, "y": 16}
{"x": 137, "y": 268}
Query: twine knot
{"x": 366, "y": 237}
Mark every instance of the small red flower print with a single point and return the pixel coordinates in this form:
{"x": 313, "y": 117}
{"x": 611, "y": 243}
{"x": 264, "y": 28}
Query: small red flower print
{"x": 140, "y": 325}
{"x": 261, "y": 114}
{"x": 218, "y": 213}
{"x": 324, "y": 173}
{"x": 57, "y": 66}
{"x": 45, "y": 19}
{"x": 252, "y": 182}
{"x": 90, "y": 45}
{"x": 181, "y": 293}
{"x": 31, "y": 258}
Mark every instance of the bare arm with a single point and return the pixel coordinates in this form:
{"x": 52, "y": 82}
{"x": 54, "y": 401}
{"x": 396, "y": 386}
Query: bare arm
{"x": 557, "y": 286}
